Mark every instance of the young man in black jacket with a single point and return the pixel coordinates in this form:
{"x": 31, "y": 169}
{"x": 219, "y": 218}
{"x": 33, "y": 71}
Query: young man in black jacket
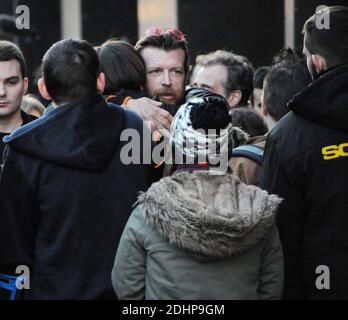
{"x": 65, "y": 190}
{"x": 13, "y": 86}
{"x": 306, "y": 163}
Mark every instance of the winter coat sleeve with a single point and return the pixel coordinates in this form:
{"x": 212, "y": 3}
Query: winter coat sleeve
{"x": 272, "y": 268}
{"x": 128, "y": 273}
{"x": 284, "y": 177}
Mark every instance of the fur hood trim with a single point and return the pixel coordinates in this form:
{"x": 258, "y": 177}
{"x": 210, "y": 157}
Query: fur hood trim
{"x": 210, "y": 215}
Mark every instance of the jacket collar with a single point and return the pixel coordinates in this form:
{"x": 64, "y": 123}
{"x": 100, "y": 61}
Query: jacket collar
{"x": 27, "y": 118}
{"x": 325, "y": 100}
{"x": 83, "y": 134}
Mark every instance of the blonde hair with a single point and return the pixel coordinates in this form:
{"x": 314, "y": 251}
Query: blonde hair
{"x": 30, "y": 102}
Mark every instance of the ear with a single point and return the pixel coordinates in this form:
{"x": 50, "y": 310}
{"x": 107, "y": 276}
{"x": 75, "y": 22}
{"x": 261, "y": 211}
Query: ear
{"x": 101, "y": 83}
{"x": 234, "y": 98}
{"x": 263, "y": 105}
{"x": 319, "y": 62}
{"x": 43, "y": 90}
{"x": 25, "y": 85}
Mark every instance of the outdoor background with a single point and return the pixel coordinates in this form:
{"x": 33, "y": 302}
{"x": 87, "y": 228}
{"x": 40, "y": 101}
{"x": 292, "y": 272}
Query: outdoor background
{"x": 255, "y": 28}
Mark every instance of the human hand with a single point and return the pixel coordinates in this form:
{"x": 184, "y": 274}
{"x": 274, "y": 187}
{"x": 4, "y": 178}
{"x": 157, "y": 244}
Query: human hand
{"x": 151, "y": 112}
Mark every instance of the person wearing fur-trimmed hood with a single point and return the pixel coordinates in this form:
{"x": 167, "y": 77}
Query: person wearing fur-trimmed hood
{"x": 199, "y": 233}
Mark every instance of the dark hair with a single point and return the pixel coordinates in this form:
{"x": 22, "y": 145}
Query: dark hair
{"x": 166, "y": 41}
{"x": 249, "y": 121}
{"x": 239, "y": 72}
{"x": 9, "y": 51}
{"x": 259, "y": 76}
{"x": 123, "y": 67}
{"x": 285, "y": 79}
{"x": 70, "y": 69}
{"x": 288, "y": 55}
{"x": 330, "y": 43}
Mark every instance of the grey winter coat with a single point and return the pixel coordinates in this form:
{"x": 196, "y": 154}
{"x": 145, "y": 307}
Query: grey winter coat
{"x": 200, "y": 236}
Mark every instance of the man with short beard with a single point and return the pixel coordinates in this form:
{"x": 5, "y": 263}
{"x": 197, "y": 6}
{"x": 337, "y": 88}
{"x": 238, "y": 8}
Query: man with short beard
{"x": 166, "y": 58}
{"x": 165, "y": 54}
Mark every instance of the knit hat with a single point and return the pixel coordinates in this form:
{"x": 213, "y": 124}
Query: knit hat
{"x": 201, "y": 130}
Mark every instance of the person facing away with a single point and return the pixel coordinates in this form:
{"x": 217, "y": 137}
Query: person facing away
{"x": 125, "y": 80}
{"x": 283, "y": 81}
{"x": 306, "y": 164}
{"x": 125, "y": 75}
{"x": 259, "y": 76}
{"x": 227, "y": 74}
{"x": 200, "y": 233}
{"x": 245, "y": 163}
{"x": 65, "y": 190}
{"x": 13, "y": 86}
{"x": 249, "y": 121}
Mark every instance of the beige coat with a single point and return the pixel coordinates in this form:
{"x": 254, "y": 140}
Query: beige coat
{"x": 248, "y": 171}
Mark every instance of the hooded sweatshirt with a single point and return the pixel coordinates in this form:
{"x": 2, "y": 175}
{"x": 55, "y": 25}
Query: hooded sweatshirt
{"x": 306, "y": 163}
{"x": 200, "y": 236}
{"x": 65, "y": 197}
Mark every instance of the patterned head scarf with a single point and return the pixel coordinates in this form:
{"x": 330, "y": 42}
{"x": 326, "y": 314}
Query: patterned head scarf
{"x": 199, "y": 146}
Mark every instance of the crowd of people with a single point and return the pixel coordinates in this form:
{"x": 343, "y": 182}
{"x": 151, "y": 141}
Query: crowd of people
{"x": 247, "y": 200}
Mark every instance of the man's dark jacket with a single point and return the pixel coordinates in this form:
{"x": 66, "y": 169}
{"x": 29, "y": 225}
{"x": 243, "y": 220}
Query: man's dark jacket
{"x": 65, "y": 197}
{"x": 306, "y": 163}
